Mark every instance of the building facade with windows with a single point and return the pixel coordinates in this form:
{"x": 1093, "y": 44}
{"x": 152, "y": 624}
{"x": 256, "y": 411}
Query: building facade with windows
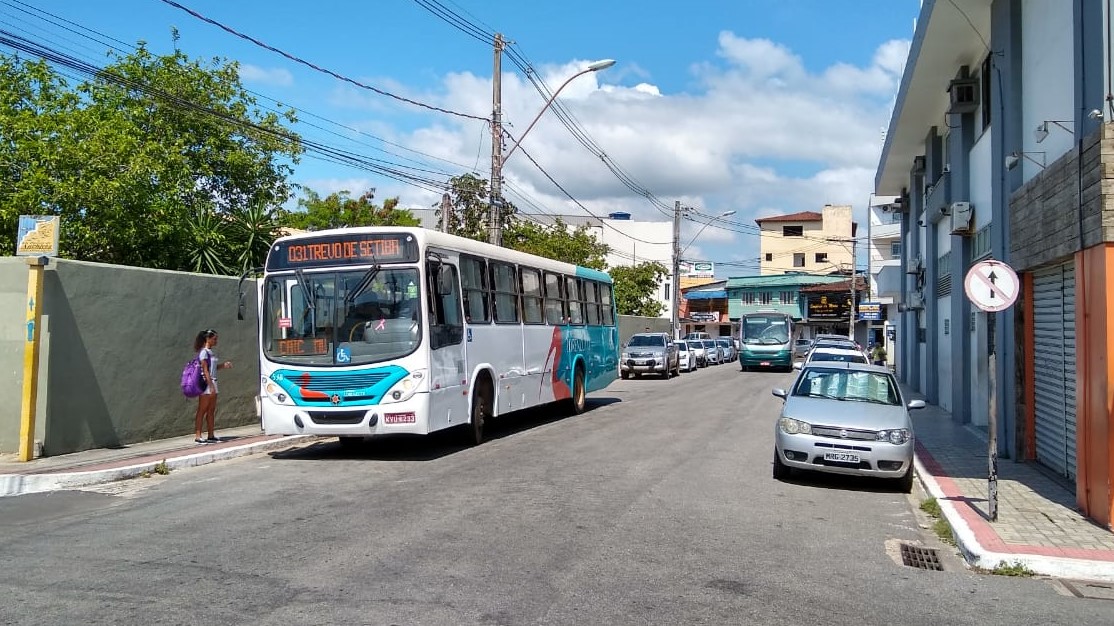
{"x": 1000, "y": 147}
{"x": 885, "y": 274}
{"x": 808, "y": 242}
{"x": 704, "y": 309}
{"x": 786, "y": 294}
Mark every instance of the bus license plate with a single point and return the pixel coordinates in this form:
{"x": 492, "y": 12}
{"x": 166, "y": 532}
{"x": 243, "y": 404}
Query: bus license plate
{"x": 841, "y": 457}
{"x": 399, "y": 418}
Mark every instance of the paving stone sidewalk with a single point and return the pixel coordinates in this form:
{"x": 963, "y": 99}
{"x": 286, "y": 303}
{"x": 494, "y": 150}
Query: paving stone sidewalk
{"x": 1038, "y": 526}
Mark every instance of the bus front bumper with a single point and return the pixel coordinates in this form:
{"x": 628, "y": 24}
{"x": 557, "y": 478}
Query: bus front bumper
{"x": 781, "y": 358}
{"x": 409, "y": 417}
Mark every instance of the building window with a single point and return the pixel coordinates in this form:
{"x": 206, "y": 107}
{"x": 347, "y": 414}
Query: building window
{"x": 821, "y": 257}
{"x": 895, "y": 249}
{"x": 895, "y": 217}
{"x": 787, "y": 297}
{"x": 668, "y": 292}
{"x": 747, "y": 297}
{"x": 764, "y": 297}
{"x": 769, "y": 256}
{"x": 798, "y": 259}
{"x": 981, "y": 247}
{"x": 792, "y": 231}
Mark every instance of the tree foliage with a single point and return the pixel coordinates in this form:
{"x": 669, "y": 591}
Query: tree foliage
{"x": 470, "y": 199}
{"x": 157, "y": 161}
{"x": 557, "y": 241}
{"x": 341, "y": 209}
{"x": 635, "y": 287}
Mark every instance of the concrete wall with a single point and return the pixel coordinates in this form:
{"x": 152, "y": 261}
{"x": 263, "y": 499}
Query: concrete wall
{"x": 115, "y": 340}
{"x": 631, "y": 324}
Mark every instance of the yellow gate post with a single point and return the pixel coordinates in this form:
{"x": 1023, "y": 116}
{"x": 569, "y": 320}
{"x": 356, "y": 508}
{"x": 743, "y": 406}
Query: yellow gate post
{"x": 31, "y": 357}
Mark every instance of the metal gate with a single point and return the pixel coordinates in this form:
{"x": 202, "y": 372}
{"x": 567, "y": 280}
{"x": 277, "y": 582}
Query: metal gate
{"x": 1054, "y": 366}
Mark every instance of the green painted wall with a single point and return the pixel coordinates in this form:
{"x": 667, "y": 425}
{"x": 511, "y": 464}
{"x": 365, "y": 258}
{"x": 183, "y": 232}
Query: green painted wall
{"x": 114, "y": 343}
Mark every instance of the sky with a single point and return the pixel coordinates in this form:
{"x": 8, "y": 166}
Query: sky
{"x": 762, "y": 107}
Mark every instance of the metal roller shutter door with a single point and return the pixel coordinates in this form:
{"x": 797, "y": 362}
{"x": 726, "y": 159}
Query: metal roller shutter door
{"x": 1054, "y": 371}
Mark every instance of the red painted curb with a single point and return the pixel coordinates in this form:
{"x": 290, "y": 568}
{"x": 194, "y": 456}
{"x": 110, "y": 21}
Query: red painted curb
{"x": 985, "y": 535}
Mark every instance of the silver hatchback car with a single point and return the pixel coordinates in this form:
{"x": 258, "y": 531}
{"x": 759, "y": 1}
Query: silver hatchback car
{"x": 845, "y": 418}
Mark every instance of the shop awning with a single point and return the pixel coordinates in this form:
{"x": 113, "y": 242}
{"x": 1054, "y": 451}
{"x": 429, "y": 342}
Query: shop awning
{"x": 720, "y": 294}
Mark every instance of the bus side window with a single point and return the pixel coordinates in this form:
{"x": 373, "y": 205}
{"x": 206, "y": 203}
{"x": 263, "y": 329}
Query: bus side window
{"x": 474, "y": 278}
{"x": 575, "y": 300}
{"x": 554, "y": 300}
{"x": 592, "y": 295}
{"x": 531, "y": 296}
{"x": 505, "y": 287}
{"x": 607, "y": 314}
{"x": 446, "y": 327}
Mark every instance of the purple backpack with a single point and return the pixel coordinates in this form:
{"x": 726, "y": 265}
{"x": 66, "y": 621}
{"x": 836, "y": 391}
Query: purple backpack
{"x": 193, "y": 381}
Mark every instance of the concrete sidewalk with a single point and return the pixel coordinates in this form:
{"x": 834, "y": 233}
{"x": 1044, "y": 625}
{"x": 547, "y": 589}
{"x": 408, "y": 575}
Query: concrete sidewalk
{"x": 1038, "y": 524}
{"x": 91, "y": 467}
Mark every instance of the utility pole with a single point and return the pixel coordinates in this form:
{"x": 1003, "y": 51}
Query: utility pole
{"x": 676, "y": 296}
{"x": 851, "y": 315}
{"x": 496, "y": 200}
{"x": 446, "y": 210}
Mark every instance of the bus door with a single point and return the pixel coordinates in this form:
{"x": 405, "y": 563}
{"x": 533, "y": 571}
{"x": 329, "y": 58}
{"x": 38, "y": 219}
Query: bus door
{"x": 448, "y": 402}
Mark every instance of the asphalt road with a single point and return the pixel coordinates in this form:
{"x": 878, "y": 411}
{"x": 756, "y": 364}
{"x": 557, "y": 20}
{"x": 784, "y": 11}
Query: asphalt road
{"x": 654, "y": 507}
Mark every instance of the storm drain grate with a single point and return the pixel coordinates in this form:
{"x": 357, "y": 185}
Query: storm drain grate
{"x": 923, "y": 558}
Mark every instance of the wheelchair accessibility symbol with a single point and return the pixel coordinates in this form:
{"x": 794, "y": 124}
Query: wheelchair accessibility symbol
{"x": 343, "y": 355}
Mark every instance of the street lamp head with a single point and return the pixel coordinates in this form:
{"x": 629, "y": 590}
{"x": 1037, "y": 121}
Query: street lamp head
{"x": 601, "y": 65}
{"x": 727, "y": 213}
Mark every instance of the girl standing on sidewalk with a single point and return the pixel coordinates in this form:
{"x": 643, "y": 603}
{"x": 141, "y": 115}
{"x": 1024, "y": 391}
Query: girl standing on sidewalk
{"x": 207, "y": 401}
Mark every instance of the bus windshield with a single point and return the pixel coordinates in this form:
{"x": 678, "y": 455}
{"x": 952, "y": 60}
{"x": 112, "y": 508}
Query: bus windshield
{"x": 341, "y": 318}
{"x": 765, "y": 330}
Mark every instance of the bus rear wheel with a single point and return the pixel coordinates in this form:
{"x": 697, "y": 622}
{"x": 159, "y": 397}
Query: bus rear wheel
{"x": 578, "y": 400}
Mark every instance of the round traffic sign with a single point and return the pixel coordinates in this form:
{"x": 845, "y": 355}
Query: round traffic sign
{"x": 991, "y": 285}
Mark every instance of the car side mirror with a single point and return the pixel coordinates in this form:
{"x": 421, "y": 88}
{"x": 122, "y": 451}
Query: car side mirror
{"x": 797, "y": 365}
{"x": 780, "y": 393}
{"x": 915, "y": 404}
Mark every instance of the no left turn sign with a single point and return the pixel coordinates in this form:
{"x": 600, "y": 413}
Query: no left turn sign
{"x": 991, "y": 286}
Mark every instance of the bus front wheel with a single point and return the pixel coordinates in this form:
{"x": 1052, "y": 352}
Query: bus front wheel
{"x": 481, "y": 412}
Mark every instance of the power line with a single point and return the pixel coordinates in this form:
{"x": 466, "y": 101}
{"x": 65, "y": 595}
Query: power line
{"x": 316, "y": 67}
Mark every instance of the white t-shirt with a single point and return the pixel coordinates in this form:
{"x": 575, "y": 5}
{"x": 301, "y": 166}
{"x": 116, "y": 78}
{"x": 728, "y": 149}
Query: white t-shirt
{"x": 206, "y": 353}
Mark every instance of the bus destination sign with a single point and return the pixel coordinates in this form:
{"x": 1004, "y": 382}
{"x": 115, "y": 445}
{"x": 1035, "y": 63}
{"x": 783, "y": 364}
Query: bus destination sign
{"x": 334, "y": 250}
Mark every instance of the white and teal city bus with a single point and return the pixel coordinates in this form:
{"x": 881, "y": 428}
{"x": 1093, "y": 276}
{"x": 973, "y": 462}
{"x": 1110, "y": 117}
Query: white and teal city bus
{"x": 381, "y": 330}
{"x": 765, "y": 340}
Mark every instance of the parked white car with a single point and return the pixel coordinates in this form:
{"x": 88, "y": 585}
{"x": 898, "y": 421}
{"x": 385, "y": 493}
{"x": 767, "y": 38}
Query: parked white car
{"x": 685, "y": 355}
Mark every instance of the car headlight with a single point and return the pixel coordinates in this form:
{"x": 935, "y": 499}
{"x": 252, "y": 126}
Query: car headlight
{"x": 791, "y": 426}
{"x": 405, "y": 389}
{"x": 275, "y": 392}
{"x": 897, "y": 436}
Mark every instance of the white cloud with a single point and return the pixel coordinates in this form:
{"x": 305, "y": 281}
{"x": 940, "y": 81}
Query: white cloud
{"x": 274, "y": 77}
{"x": 758, "y": 133}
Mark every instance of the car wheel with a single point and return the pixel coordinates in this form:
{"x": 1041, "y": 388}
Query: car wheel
{"x": 781, "y": 470}
{"x": 624, "y": 375}
{"x": 905, "y": 483}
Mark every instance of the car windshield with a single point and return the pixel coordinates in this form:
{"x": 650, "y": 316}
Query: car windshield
{"x": 341, "y": 318}
{"x": 643, "y": 341}
{"x": 765, "y": 330}
{"x": 847, "y": 384}
{"x": 726, "y": 343}
{"x": 682, "y": 346}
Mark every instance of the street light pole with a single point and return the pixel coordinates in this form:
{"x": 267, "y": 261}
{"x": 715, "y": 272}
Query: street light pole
{"x": 677, "y": 252}
{"x": 497, "y": 157}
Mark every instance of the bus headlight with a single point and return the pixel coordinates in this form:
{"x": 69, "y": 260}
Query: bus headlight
{"x": 276, "y": 393}
{"x": 405, "y": 389}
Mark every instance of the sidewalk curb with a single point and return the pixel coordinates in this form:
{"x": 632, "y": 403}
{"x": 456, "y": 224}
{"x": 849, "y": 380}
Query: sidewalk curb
{"x": 20, "y": 484}
{"x": 978, "y": 556}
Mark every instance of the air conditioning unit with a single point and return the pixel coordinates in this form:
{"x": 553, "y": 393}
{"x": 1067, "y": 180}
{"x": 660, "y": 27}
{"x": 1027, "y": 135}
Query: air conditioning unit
{"x": 964, "y": 95}
{"x": 962, "y": 217}
{"x": 915, "y": 302}
{"x": 914, "y": 265}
